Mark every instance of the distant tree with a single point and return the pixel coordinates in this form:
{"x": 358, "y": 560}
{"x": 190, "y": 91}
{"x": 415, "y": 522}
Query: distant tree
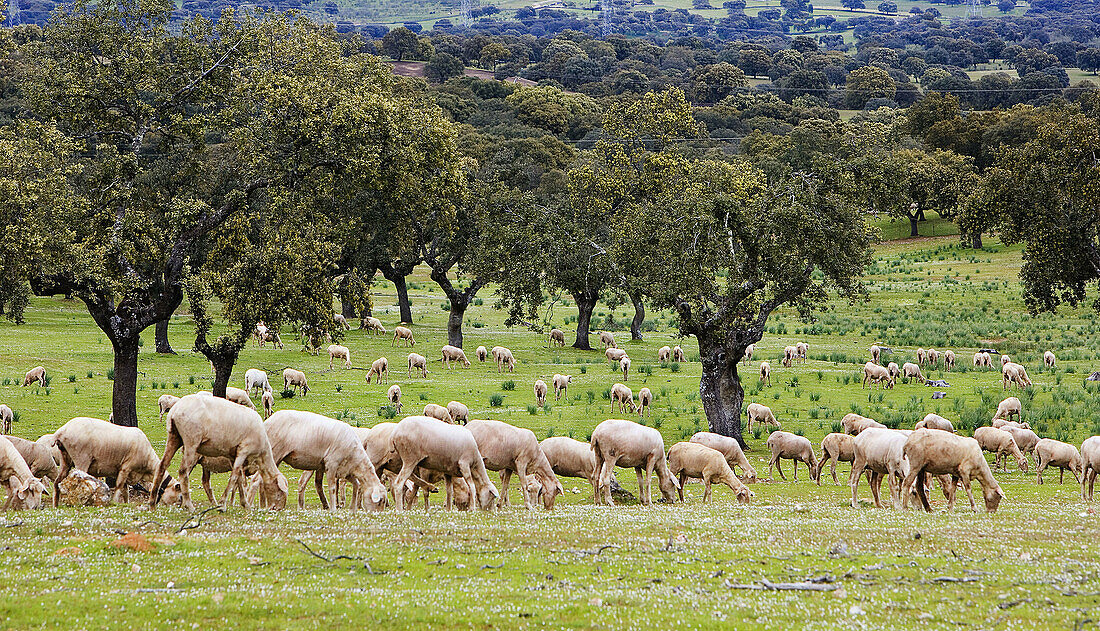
{"x": 1032, "y": 60}
{"x": 754, "y": 61}
{"x": 1089, "y": 60}
{"x": 554, "y": 110}
{"x": 1006, "y": 5}
{"x": 888, "y": 6}
{"x": 401, "y": 43}
{"x": 443, "y": 66}
{"x": 713, "y": 83}
{"x": 852, "y": 5}
{"x": 866, "y": 83}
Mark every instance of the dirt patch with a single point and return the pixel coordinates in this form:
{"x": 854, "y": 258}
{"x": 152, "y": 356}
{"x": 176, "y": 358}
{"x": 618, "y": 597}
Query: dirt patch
{"x": 133, "y": 541}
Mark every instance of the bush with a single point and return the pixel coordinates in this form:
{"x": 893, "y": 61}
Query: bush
{"x": 496, "y": 400}
{"x": 110, "y": 374}
{"x": 287, "y": 394}
{"x": 387, "y": 411}
{"x": 72, "y": 378}
{"x": 90, "y": 374}
{"x": 508, "y": 386}
{"x": 532, "y": 410}
{"x": 674, "y": 366}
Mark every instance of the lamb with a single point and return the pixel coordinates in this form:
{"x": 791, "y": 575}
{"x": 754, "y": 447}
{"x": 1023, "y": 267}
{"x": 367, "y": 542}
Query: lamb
{"x": 106, "y": 450}
{"x": 628, "y": 444}
{"x": 1014, "y": 373}
{"x": 459, "y": 412}
{"x": 1001, "y": 443}
{"x": 1090, "y": 457}
{"x": 453, "y": 354}
{"x": 789, "y": 355}
{"x": 983, "y": 359}
{"x": 664, "y": 354}
{"x": 1009, "y": 407}
{"x": 481, "y": 353}
{"x": 213, "y": 427}
{"x": 6, "y": 418}
{"x": 835, "y": 447}
{"x": 511, "y": 449}
{"x": 912, "y": 371}
{"x": 939, "y": 453}
{"x": 935, "y": 421}
{"x": 645, "y": 398}
{"x": 1049, "y": 359}
{"x": 731, "y": 449}
{"x": 749, "y": 350}
{"x": 607, "y": 338}
{"x": 699, "y": 461}
{"x": 801, "y": 349}
{"x": 268, "y": 400}
{"x": 312, "y": 442}
{"x": 922, "y": 356}
{"x": 933, "y": 357}
{"x": 35, "y": 375}
{"x": 761, "y": 415}
{"x": 39, "y": 455}
{"x": 447, "y": 449}
{"x": 678, "y": 354}
{"x": 624, "y": 364}
{"x": 877, "y": 374}
{"x": 165, "y": 403}
{"x": 379, "y": 368}
{"x": 766, "y": 372}
{"x": 792, "y": 447}
{"x": 505, "y": 359}
{"x": 561, "y": 385}
{"x": 255, "y": 378}
{"x": 420, "y": 363}
{"x": 876, "y": 353}
{"x": 436, "y": 411}
{"x": 24, "y": 490}
{"x": 372, "y": 324}
{"x": 394, "y": 396}
{"x": 1055, "y": 453}
{"x": 894, "y": 371}
{"x": 339, "y": 319}
{"x": 295, "y": 380}
{"x": 613, "y": 355}
{"x": 948, "y": 360}
{"x": 404, "y": 334}
{"x": 622, "y": 396}
{"x": 854, "y": 423}
{"x": 540, "y": 392}
{"x": 557, "y": 336}
{"x": 335, "y": 351}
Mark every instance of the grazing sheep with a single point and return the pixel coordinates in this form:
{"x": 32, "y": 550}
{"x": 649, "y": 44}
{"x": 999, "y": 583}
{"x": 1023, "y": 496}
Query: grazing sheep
{"x": 1009, "y": 407}
{"x": 912, "y": 371}
{"x": 731, "y": 449}
{"x": 980, "y": 359}
{"x": 436, "y": 411}
{"x": 645, "y": 398}
{"x": 766, "y": 373}
{"x": 106, "y": 450}
{"x": 678, "y": 354}
{"x": 373, "y": 324}
{"x": 36, "y": 374}
{"x": 940, "y": 453}
{"x": 271, "y": 337}
{"x": 459, "y": 412}
{"x": 557, "y": 336}
{"x": 23, "y": 489}
{"x": 835, "y": 447}
{"x": 450, "y": 450}
{"x": 38, "y": 454}
{"x": 1005, "y": 359}
{"x": 749, "y": 350}
{"x": 801, "y": 350}
{"x": 874, "y": 373}
{"x": 948, "y": 360}
{"x": 481, "y": 353}
{"x": 394, "y": 396}
{"x": 165, "y": 403}
{"x": 624, "y": 364}
{"x": 335, "y": 351}
{"x": 1055, "y": 453}
{"x": 1090, "y": 457}
{"x": 922, "y": 356}
{"x": 6, "y": 418}
{"x": 876, "y": 353}
{"x": 1016, "y": 374}
{"x": 789, "y": 355}
{"x": 505, "y": 359}
{"x": 339, "y": 319}
{"x": 622, "y": 397}
{"x": 294, "y": 380}
{"x": 404, "y": 334}
{"x": 854, "y": 423}
{"x": 1049, "y": 359}
{"x": 453, "y": 354}
{"x": 540, "y": 392}
{"x": 212, "y": 427}
{"x": 570, "y": 458}
{"x": 880, "y": 451}
{"x": 511, "y": 449}
{"x": 761, "y": 415}
{"x": 664, "y": 354}
{"x": 268, "y": 400}
{"x": 1026, "y": 439}
{"x": 613, "y": 355}
{"x": 254, "y": 379}
{"x": 311, "y": 442}
{"x": 628, "y": 444}
{"x": 240, "y": 397}
{"x": 933, "y": 357}
{"x": 379, "y": 368}
{"x": 561, "y": 385}
{"x": 607, "y": 338}
{"x": 420, "y": 363}
{"x": 1000, "y": 424}
{"x": 1002, "y": 444}
{"x": 935, "y": 421}
{"x": 699, "y": 461}
{"x": 894, "y": 371}
{"x": 792, "y": 447}
{"x": 258, "y": 333}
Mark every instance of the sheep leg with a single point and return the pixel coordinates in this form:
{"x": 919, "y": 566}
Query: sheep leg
{"x": 206, "y": 484}
{"x": 779, "y": 467}
{"x": 399, "y": 482}
{"x": 969, "y": 493}
{"x": 450, "y": 483}
{"x": 122, "y": 492}
{"x": 62, "y": 473}
{"x": 876, "y": 488}
{"x": 603, "y": 488}
{"x": 683, "y": 480}
{"x": 1040, "y": 468}
{"x": 832, "y": 467}
{"x": 643, "y": 487}
{"x": 187, "y": 463}
{"x": 857, "y": 472}
{"x": 319, "y": 484}
{"x": 505, "y": 481}
{"x": 521, "y": 471}
{"x": 303, "y": 480}
{"x": 1061, "y": 475}
{"x": 706, "y": 489}
{"x": 172, "y": 445}
{"x": 334, "y": 492}
{"x": 907, "y": 483}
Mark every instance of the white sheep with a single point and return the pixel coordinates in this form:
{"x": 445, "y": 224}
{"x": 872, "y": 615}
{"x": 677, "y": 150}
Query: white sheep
{"x": 935, "y": 421}
{"x": 624, "y": 364}
{"x": 1005, "y": 359}
{"x": 628, "y": 444}
{"x": 854, "y": 423}
{"x": 948, "y": 359}
{"x": 932, "y": 452}
{"x": 664, "y": 354}
{"x": 912, "y": 371}
{"x": 874, "y": 373}
{"x": 835, "y": 447}
{"x": 557, "y": 336}
{"x": 459, "y": 412}
{"x": 607, "y": 338}
{"x": 254, "y": 379}
{"x": 571, "y": 458}
{"x": 801, "y": 350}
{"x": 438, "y": 412}
{"x": 561, "y": 385}
{"x": 340, "y": 320}
{"x": 404, "y": 334}
{"x": 766, "y": 373}
{"x": 1055, "y": 453}
{"x": 1008, "y": 408}
{"x": 540, "y": 392}
{"x": 394, "y": 396}
{"x": 1049, "y": 359}
{"x": 450, "y": 450}
{"x": 1090, "y": 457}
{"x": 505, "y": 359}
{"x": 790, "y": 353}
{"x": 39, "y": 455}
{"x": 894, "y": 371}
{"x": 1002, "y": 444}
{"x": 922, "y": 356}
{"x": 933, "y": 357}
{"x": 295, "y": 380}
{"x": 268, "y": 400}
{"x": 730, "y": 448}
{"x": 688, "y": 459}
{"x": 35, "y": 375}
{"x": 760, "y": 414}
{"x": 418, "y": 362}
{"x": 613, "y": 355}
{"x": 336, "y": 351}
{"x": 106, "y": 450}
{"x": 876, "y": 353}
{"x": 372, "y": 324}
{"x": 678, "y": 354}
{"x": 509, "y": 449}
{"x": 165, "y": 403}
{"x": 240, "y": 397}
{"x": 455, "y": 354}
{"x": 379, "y": 368}
{"x": 1014, "y": 373}
{"x": 881, "y": 452}
{"x": 645, "y": 399}
{"x": 749, "y": 351}
{"x": 6, "y": 418}
{"x": 621, "y": 398}
{"x": 23, "y": 489}
{"x": 481, "y": 353}
{"x": 791, "y": 447}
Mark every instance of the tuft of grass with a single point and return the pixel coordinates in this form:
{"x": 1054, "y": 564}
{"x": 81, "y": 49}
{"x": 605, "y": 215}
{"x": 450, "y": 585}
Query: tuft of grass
{"x": 287, "y": 394}
{"x": 496, "y": 400}
{"x": 508, "y": 386}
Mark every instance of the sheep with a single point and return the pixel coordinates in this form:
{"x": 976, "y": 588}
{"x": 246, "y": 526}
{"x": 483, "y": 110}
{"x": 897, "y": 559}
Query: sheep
{"x": 1009, "y": 407}
{"x": 259, "y": 332}
{"x": 664, "y": 354}
{"x": 404, "y": 334}
{"x": 1014, "y": 373}
{"x": 627, "y": 444}
{"x": 165, "y": 403}
{"x": 557, "y": 336}
{"x": 561, "y": 385}
{"x": 935, "y": 421}
{"x": 854, "y": 423}
{"x": 212, "y": 427}
{"x": 505, "y": 359}
{"x": 1026, "y": 439}
{"x": 933, "y": 357}
{"x": 1005, "y": 359}
{"x": 645, "y": 398}
{"x": 571, "y": 458}
{"x": 273, "y": 338}
{"x": 613, "y": 355}
{"x": 1055, "y": 453}
{"x": 447, "y": 449}
{"x": 459, "y": 412}
{"x": 835, "y": 447}
{"x": 1049, "y": 359}
{"x": 940, "y": 453}
{"x": 686, "y": 459}
{"x": 880, "y": 451}
{"x": 761, "y": 415}
{"x": 948, "y": 360}
{"x": 801, "y": 350}
{"x": 374, "y": 325}
{"x": 789, "y": 355}
{"x": 23, "y": 489}
{"x": 1000, "y": 443}
{"x": 607, "y": 338}
{"x": 1001, "y": 424}
{"x": 922, "y": 356}
{"x": 295, "y": 380}
{"x": 540, "y": 392}
{"x": 39, "y": 455}
{"x": 874, "y": 373}
{"x": 379, "y": 368}
{"x": 453, "y": 354}
{"x": 418, "y": 362}
{"x": 339, "y": 319}
{"x": 980, "y": 359}
{"x": 1090, "y": 457}
{"x": 511, "y": 449}
{"x": 255, "y": 378}
{"x": 240, "y": 397}
{"x": 894, "y": 371}
{"x": 6, "y": 418}
{"x": 766, "y": 372}
{"x": 912, "y": 371}
{"x": 172, "y": 494}
{"x": 792, "y": 447}
{"x": 394, "y": 396}
{"x": 105, "y": 450}
{"x": 749, "y": 350}
{"x": 678, "y": 354}
{"x": 731, "y": 449}
{"x": 268, "y": 400}
{"x": 876, "y": 353}
{"x": 624, "y": 364}
{"x": 36, "y": 374}
{"x": 436, "y": 411}
{"x": 336, "y": 351}
{"x": 311, "y": 442}
{"x": 481, "y": 353}
{"x": 622, "y": 396}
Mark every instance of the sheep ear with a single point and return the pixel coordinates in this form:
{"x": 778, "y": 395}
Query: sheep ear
{"x": 675, "y": 483}
{"x": 20, "y": 488}
{"x": 377, "y": 496}
{"x": 1000, "y": 492}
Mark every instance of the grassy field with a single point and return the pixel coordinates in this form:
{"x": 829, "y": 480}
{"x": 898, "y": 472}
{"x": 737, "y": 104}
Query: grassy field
{"x": 1032, "y": 565}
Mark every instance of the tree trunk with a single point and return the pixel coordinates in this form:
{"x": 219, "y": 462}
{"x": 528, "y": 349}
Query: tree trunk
{"x": 639, "y": 318}
{"x": 586, "y": 303}
{"x": 454, "y": 321}
{"x": 161, "y": 335}
{"x": 223, "y": 370}
{"x": 347, "y": 309}
{"x": 913, "y": 226}
{"x": 124, "y": 389}
{"x": 976, "y": 241}
{"x": 403, "y": 298}
{"x": 720, "y": 389}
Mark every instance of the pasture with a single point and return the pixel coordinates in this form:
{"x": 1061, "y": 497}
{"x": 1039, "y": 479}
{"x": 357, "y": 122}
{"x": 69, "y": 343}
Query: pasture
{"x": 1033, "y": 564}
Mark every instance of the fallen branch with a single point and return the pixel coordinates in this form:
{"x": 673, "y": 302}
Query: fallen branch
{"x": 597, "y": 552}
{"x": 765, "y": 584}
{"x": 953, "y": 579}
{"x": 493, "y": 567}
{"x": 338, "y": 557}
{"x": 14, "y": 524}
{"x": 196, "y": 520}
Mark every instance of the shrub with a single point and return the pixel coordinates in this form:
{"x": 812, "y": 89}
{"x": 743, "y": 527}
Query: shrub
{"x": 46, "y": 379}
{"x": 532, "y": 410}
{"x": 287, "y": 394}
{"x": 387, "y": 411}
{"x": 90, "y": 374}
{"x": 72, "y": 378}
{"x": 496, "y": 400}
{"x": 191, "y": 380}
{"x": 110, "y": 374}
{"x": 508, "y": 386}
{"x": 423, "y": 396}
{"x": 674, "y": 366}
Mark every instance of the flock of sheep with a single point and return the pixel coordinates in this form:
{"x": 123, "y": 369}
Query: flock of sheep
{"x": 409, "y": 458}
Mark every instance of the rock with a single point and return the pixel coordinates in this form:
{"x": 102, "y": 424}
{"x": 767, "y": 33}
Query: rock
{"x": 133, "y": 541}
{"x": 81, "y": 489}
{"x": 619, "y": 494}
{"x": 1094, "y": 376}
{"x": 939, "y": 394}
